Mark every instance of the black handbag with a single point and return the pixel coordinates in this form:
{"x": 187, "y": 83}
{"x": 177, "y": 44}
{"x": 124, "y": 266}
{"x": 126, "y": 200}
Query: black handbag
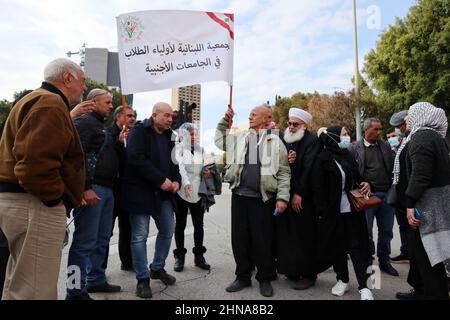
{"x": 391, "y": 195}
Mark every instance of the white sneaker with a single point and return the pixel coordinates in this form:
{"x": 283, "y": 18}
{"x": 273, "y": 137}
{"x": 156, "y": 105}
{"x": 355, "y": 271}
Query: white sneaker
{"x": 366, "y": 294}
{"x": 340, "y": 288}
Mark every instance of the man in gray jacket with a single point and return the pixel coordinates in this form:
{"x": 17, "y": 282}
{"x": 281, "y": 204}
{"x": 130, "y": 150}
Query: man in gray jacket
{"x": 375, "y": 164}
{"x": 259, "y": 177}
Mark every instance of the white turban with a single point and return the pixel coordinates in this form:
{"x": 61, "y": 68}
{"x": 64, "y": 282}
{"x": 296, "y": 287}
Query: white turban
{"x": 300, "y": 114}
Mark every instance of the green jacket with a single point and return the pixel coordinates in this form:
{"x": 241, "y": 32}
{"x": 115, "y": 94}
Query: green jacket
{"x": 275, "y": 171}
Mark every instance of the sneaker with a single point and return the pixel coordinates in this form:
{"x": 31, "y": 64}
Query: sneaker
{"x": 103, "y": 287}
{"x": 366, "y": 294}
{"x": 401, "y": 258}
{"x": 162, "y": 275}
{"x": 340, "y": 288}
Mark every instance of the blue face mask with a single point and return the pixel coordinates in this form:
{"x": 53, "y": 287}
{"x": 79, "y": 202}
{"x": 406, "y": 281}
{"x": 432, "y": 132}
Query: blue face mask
{"x": 399, "y": 132}
{"x": 394, "y": 142}
{"x": 345, "y": 142}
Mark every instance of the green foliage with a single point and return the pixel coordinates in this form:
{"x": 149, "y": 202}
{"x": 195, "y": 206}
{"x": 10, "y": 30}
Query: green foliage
{"x": 5, "y": 106}
{"x": 411, "y": 61}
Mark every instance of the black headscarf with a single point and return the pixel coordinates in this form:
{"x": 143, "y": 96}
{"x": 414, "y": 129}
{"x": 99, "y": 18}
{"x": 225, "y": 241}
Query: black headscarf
{"x": 330, "y": 139}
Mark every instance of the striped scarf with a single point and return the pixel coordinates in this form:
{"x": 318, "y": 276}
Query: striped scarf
{"x": 422, "y": 116}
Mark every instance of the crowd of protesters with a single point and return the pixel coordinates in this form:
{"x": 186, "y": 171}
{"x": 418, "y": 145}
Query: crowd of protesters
{"x": 291, "y": 209}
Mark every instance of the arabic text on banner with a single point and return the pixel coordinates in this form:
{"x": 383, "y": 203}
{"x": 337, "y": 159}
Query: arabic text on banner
{"x": 170, "y": 48}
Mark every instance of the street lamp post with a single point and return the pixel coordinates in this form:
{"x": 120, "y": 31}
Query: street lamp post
{"x": 357, "y": 110}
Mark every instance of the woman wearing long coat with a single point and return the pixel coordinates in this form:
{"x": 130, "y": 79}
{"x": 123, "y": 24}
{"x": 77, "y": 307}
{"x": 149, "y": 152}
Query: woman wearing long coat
{"x": 341, "y": 230}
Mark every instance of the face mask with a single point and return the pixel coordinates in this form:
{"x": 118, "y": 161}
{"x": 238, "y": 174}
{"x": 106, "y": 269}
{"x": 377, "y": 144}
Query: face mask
{"x": 345, "y": 142}
{"x": 399, "y": 132}
{"x": 394, "y": 142}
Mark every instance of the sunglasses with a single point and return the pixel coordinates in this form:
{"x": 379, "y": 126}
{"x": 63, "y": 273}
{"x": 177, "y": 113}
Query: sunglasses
{"x": 294, "y": 124}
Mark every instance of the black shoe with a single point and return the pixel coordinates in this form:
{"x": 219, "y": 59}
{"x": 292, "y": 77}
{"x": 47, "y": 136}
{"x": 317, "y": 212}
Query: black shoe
{"x": 401, "y": 258}
{"x": 389, "y": 269}
{"x": 143, "y": 288}
{"x": 303, "y": 284}
{"x": 238, "y": 285}
{"x": 411, "y": 295}
{"x": 179, "y": 263}
{"x": 104, "y": 287}
{"x": 201, "y": 262}
{"x": 126, "y": 267}
{"x": 265, "y": 288}
{"x": 83, "y": 296}
{"x": 162, "y": 275}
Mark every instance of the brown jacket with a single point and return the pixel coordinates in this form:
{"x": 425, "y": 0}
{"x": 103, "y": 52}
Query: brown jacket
{"x": 42, "y": 152}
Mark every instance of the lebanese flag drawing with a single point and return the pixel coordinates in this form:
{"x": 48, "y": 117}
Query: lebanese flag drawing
{"x": 161, "y": 49}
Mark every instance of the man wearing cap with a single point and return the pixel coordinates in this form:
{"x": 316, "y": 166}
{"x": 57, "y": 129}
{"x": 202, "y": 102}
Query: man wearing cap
{"x": 259, "y": 176}
{"x": 375, "y": 164}
{"x": 398, "y": 120}
{"x": 296, "y": 228}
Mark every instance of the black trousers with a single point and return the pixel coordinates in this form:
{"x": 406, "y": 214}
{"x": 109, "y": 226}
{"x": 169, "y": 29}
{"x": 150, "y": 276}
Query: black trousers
{"x": 197, "y": 214}
{"x": 124, "y": 233}
{"x": 358, "y": 250}
{"x": 431, "y": 281}
{"x": 405, "y": 229}
{"x": 252, "y": 232}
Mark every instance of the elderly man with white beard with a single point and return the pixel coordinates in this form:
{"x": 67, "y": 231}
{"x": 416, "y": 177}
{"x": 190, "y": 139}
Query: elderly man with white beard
{"x": 296, "y": 228}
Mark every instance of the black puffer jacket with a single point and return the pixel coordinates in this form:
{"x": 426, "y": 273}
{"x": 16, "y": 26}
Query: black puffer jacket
{"x": 91, "y": 129}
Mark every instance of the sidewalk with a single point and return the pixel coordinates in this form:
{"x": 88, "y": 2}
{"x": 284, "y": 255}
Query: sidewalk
{"x": 196, "y": 284}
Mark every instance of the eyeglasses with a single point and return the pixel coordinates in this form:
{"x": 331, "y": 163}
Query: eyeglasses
{"x": 294, "y": 124}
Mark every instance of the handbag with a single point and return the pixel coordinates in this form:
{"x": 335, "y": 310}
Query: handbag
{"x": 362, "y": 202}
{"x": 391, "y": 195}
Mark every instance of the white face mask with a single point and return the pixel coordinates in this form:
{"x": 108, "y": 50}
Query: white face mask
{"x": 345, "y": 142}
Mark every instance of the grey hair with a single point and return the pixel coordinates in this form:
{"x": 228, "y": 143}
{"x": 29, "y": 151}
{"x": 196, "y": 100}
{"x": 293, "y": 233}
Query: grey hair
{"x": 119, "y": 111}
{"x": 158, "y": 107}
{"x": 55, "y": 69}
{"x": 96, "y": 92}
{"x": 368, "y": 122}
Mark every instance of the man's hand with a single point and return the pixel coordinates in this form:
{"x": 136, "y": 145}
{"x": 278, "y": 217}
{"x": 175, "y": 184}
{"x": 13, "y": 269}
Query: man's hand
{"x": 167, "y": 185}
{"x": 229, "y": 115}
{"x": 281, "y": 206}
{"x": 175, "y": 187}
{"x": 292, "y": 156}
{"x": 124, "y": 134}
{"x": 297, "y": 203}
{"x": 365, "y": 188}
{"x": 90, "y": 197}
{"x": 413, "y": 222}
{"x": 187, "y": 190}
{"x": 82, "y": 108}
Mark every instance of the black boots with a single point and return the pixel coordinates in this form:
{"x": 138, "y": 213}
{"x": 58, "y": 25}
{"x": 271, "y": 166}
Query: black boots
{"x": 199, "y": 260}
{"x": 179, "y": 263}
{"x": 179, "y": 255}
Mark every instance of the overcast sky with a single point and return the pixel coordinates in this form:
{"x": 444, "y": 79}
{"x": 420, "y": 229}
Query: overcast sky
{"x": 281, "y": 46}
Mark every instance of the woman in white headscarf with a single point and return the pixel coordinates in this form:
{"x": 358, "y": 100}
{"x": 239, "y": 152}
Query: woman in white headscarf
{"x": 190, "y": 157}
{"x": 427, "y": 201}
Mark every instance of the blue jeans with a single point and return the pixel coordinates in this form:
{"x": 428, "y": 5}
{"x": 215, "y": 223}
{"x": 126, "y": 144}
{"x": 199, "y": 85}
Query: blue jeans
{"x": 140, "y": 224}
{"x": 91, "y": 239}
{"x": 385, "y": 222}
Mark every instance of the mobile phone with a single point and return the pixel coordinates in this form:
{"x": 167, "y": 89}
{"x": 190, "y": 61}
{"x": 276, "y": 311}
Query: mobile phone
{"x": 275, "y": 213}
{"x": 416, "y": 213}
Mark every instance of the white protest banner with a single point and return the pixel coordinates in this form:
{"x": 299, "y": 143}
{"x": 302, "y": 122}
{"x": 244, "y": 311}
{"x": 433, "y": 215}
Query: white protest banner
{"x": 164, "y": 49}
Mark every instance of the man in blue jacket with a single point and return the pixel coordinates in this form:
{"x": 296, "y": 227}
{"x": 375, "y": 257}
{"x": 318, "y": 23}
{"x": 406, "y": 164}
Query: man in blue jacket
{"x": 150, "y": 182}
